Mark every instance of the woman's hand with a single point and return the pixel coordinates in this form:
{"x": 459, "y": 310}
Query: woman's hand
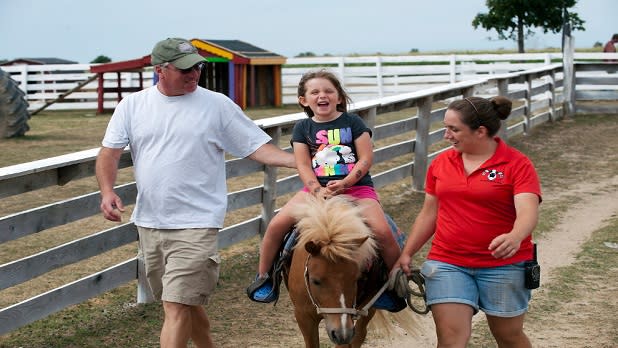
{"x": 404, "y": 262}
{"x": 504, "y": 246}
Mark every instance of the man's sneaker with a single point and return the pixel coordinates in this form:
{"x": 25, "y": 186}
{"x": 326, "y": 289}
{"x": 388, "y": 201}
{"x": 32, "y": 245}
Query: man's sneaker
{"x": 263, "y": 290}
{"x": 390, "y": 301}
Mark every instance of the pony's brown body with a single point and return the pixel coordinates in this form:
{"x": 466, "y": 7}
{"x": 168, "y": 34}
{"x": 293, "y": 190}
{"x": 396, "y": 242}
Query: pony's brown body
{"x": 334, "y": 247}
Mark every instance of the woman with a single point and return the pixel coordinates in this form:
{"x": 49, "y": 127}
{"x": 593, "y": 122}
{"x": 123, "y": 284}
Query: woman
{"x": 481, "y": 206}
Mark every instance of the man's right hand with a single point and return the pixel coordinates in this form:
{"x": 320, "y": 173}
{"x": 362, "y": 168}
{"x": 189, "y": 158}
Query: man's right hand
{"x": 112, "y": 207}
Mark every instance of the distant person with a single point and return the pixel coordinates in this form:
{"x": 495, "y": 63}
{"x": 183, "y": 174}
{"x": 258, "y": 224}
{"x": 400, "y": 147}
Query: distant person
{"x": 178, "y": 134}
{"x": 610, "y": 46}
{"x": 481, "y": 205}
{"x": 334, "y": 153}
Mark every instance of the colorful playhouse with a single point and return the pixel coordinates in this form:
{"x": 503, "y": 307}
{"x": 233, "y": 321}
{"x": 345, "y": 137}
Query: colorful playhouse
{"x": 249, "y": 75}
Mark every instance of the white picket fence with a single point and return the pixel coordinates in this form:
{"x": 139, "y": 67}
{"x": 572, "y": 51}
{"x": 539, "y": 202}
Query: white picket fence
{"x": 364, "y": 78}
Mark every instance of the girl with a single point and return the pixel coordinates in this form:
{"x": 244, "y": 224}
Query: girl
{"x": 333, "y": 153}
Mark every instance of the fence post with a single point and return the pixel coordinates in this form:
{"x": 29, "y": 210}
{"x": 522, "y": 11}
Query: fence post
{"x": 369, "y": 117}
{"x": 421, "y": 149}
{"x": 468, "y": 92}
{"x": 528, "y": 105}
{"x": 341, "y": 69}
{"x": 23, "y": 78}
{"x": 552, "y": 96}
{"x": 269, "y": 193}
{"x": 503, "y": 89}
{"x": 569, "y": 71}
{"x": 144, "y": 293}
{"x": 453, "y": 66}
{"x": 100, "y": 93}
{"x": 379, "y": 76}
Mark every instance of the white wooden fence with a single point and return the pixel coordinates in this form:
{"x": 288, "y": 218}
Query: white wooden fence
{"x": 538, "y": 93}
{"x": 364, "y": 78}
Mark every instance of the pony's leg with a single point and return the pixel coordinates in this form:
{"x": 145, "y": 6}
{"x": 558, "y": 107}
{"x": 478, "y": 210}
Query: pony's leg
{"x": 361, "y": 329}
{"x": 308, "y": 325}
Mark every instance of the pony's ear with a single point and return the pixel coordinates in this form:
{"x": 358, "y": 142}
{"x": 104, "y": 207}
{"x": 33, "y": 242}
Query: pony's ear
{"x": 313, "y": 248}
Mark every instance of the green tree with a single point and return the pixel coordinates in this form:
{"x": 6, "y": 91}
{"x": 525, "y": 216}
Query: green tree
{"x": 513, "y": 19}
{"x": 101, "y": 59}
{"x": 305, "y": 54}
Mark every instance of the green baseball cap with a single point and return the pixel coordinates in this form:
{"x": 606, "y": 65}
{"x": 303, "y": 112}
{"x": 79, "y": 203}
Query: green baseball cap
{"x": 180, "y": 52}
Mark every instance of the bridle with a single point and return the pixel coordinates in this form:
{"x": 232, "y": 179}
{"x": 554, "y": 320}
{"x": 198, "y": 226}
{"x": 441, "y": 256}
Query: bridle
{"x": 354, "y": 312}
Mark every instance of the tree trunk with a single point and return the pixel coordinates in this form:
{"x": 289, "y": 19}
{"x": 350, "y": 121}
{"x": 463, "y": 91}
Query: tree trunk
{"x": 520, "y": 36}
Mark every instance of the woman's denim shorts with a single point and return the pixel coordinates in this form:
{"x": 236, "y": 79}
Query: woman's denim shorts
{"x": 497, "y": 291}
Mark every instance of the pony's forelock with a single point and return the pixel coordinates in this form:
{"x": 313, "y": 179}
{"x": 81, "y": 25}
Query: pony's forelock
{"x": 337, "y": 225}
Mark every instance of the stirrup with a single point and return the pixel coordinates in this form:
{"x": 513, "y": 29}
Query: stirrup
{"x": 263, "y": 290}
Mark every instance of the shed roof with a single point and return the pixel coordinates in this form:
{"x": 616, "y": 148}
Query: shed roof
{"x": 239, "y": 51}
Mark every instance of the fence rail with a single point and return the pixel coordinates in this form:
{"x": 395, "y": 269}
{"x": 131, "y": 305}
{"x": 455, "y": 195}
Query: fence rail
{"x": 538, "y": 95}
{"x": 365, "y": 78}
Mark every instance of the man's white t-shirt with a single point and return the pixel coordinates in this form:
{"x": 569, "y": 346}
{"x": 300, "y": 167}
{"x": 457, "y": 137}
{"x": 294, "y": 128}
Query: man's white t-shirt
{"x": 178, "y": 146}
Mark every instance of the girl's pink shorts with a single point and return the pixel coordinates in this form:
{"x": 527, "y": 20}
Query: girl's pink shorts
{"x": 358, "y": 192}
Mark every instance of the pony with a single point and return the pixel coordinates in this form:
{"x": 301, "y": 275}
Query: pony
{"x": 334, "y": 247}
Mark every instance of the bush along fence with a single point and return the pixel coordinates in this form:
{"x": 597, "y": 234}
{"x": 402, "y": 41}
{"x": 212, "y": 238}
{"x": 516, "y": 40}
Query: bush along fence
{"x": 540, "y": 95}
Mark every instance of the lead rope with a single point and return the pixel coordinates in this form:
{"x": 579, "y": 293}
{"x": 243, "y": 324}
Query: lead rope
{"x": 401, "y": 284}
{"x": 375, "y": 297}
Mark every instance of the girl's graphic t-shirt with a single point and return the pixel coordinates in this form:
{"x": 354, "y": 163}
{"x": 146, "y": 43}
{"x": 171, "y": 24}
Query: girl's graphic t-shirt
{"x": 331, "y": 146}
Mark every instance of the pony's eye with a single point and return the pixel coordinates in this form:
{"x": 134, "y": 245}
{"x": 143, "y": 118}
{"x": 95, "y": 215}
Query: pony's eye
{"x": 316, "y": 282}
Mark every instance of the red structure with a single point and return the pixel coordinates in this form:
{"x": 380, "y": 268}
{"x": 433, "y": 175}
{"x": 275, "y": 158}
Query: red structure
{"x": 249, "y": 75}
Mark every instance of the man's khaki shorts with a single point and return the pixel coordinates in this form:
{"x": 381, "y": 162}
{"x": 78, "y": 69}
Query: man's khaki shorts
{"x": 182, "y": 266}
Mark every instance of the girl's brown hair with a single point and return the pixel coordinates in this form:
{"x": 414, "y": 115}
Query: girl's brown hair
{"x": 324, "y": 74}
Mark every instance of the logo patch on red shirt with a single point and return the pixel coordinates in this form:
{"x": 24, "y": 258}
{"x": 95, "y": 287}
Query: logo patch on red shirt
{"x": 493, "y": 175}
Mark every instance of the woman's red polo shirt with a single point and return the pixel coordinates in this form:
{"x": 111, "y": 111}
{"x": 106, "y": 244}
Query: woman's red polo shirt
{"x": 474, "y": 209}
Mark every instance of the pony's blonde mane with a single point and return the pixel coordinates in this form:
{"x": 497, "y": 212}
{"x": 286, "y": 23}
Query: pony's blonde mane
{"x": 336, "y": 225}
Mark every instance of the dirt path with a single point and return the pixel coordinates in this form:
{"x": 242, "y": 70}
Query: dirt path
{"x": 557, "y": 248}
{"x": 599, "y": 202}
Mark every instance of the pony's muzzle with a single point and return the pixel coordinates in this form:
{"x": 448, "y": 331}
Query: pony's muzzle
{"x": 341, "y": 335}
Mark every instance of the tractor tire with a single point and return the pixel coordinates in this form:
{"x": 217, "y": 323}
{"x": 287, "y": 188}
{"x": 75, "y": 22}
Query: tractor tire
{"x": 14, "y": 113}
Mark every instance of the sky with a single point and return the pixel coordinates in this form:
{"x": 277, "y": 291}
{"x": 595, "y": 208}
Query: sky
{"x": 81, "y": 30}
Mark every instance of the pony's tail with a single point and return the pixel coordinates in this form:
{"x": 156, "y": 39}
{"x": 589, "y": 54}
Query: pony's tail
{"x": 399, "y": 328}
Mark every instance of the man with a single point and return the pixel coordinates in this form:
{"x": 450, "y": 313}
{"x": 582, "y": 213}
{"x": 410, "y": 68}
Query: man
{"x": 178, "y": 134}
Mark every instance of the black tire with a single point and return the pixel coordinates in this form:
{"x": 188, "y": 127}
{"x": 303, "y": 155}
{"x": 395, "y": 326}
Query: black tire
{"x": 14, "y": 113}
